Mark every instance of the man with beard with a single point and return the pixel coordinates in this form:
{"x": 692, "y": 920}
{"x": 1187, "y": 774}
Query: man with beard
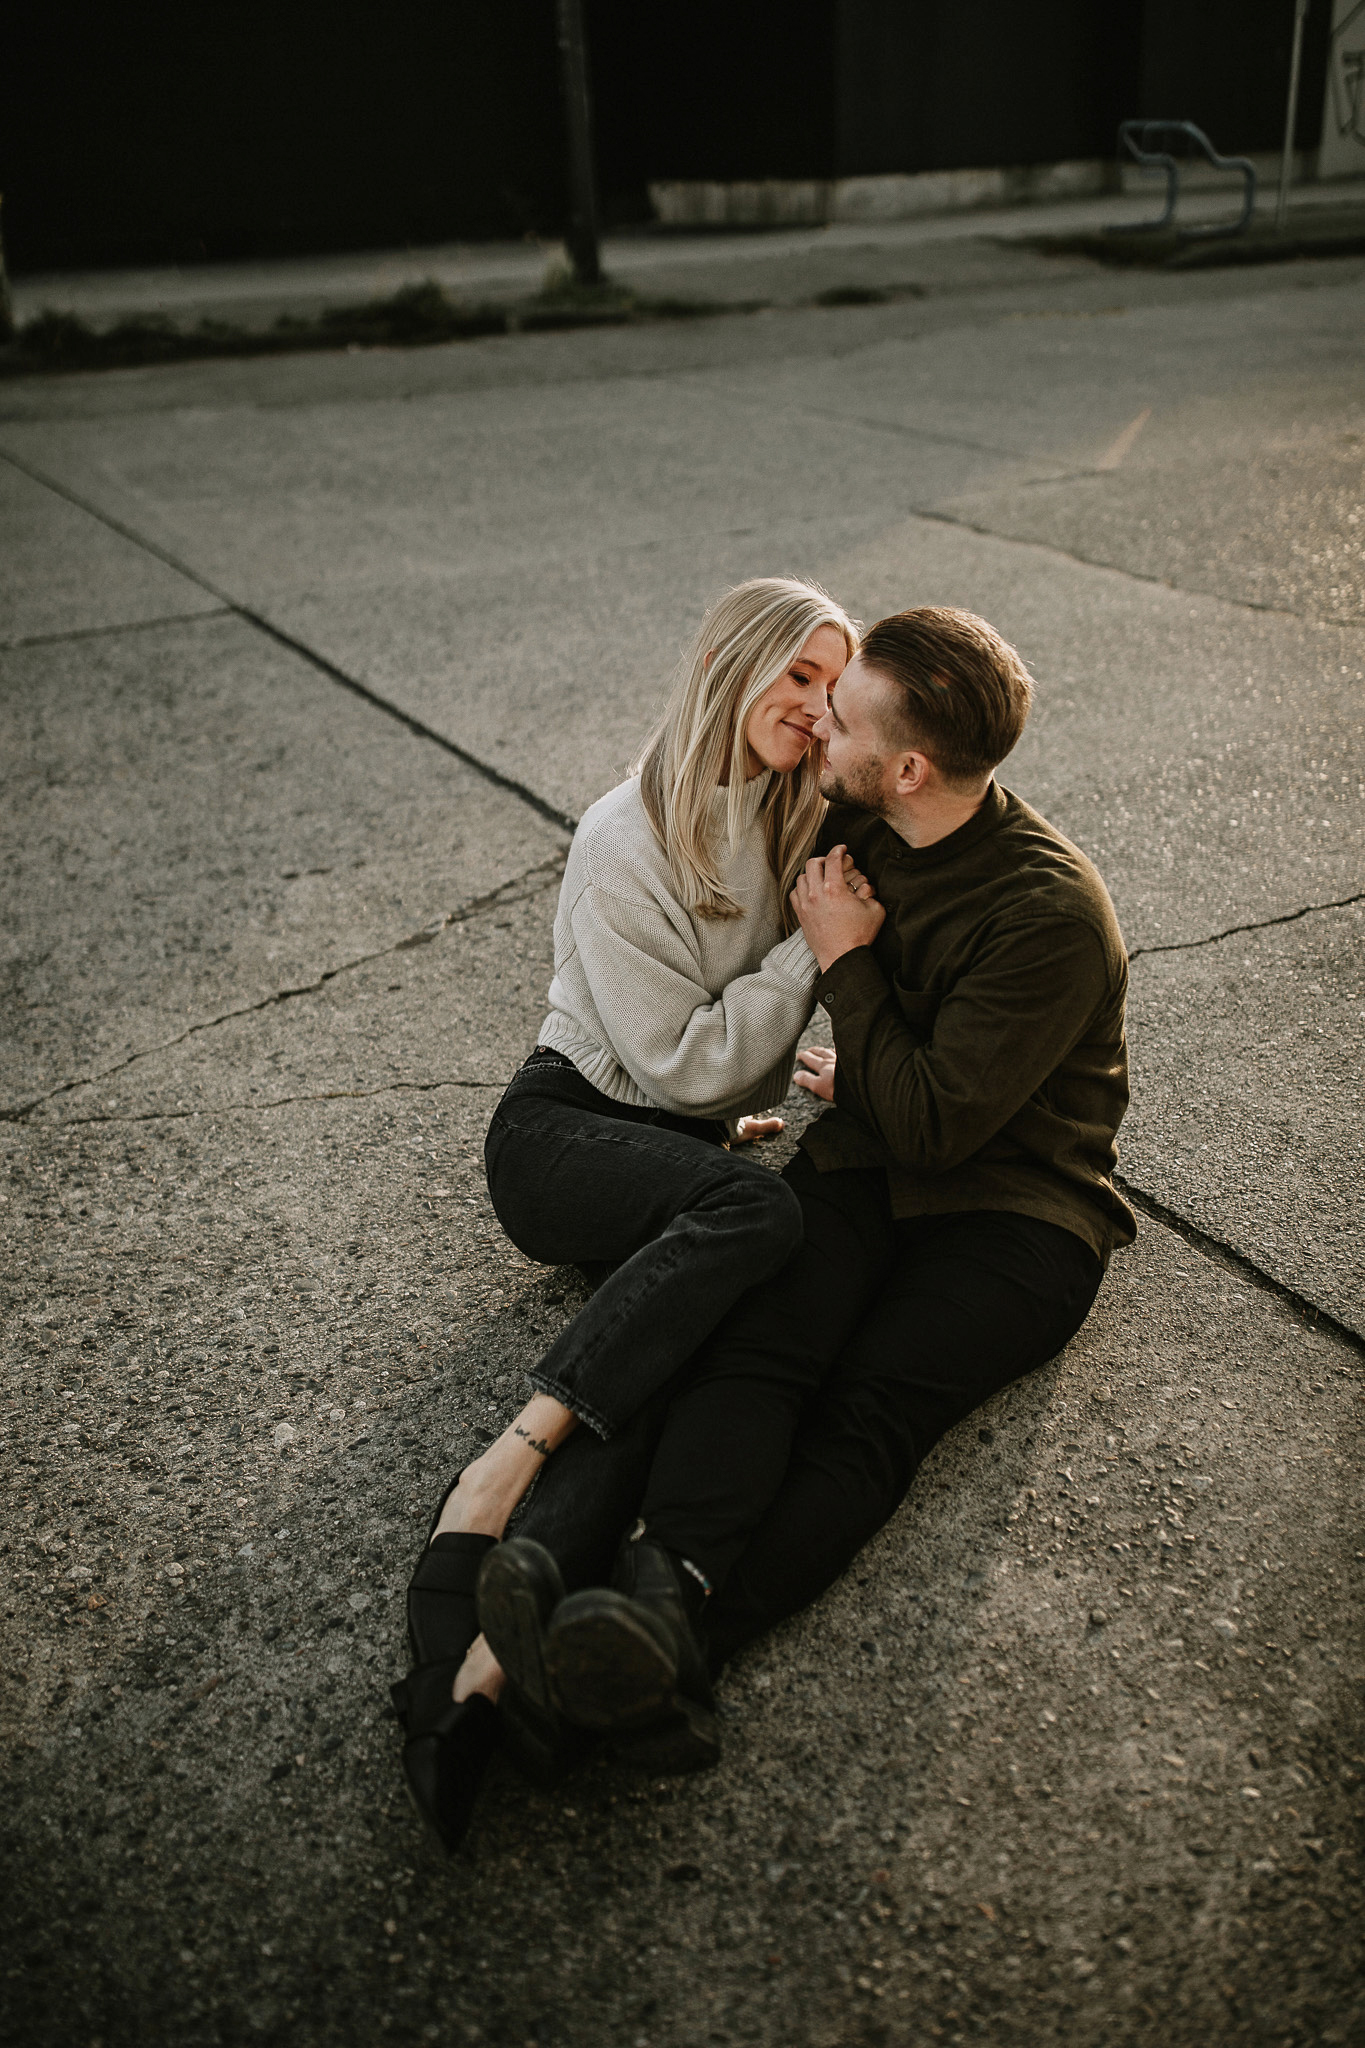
{"x": 958, "y": 1200}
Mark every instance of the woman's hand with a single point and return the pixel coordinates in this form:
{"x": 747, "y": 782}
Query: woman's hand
{"x": 835, "y": 912}
{"x": 750, "y": 1128}
{"x": 818, "y": 1061}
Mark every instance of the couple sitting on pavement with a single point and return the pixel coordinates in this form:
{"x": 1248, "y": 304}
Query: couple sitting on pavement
{"x": 747, "y": 1395}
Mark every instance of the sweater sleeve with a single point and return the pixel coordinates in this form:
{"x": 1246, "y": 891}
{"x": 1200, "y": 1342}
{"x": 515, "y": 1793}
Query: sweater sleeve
{"x": 693, "y": 1054}
{"x": 935, "y": 1080}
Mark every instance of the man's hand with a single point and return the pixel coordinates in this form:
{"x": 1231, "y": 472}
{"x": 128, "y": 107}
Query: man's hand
{"x": 835, "y": 907}
{"x": 818, "y": 1075}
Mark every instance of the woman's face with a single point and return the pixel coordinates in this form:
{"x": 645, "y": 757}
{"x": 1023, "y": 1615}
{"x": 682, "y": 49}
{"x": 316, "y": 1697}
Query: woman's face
{"x": 780, "y": 726}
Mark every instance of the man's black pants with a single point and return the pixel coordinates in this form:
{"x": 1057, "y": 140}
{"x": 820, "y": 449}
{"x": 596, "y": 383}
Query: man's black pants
{"x": 796, "y": 1431}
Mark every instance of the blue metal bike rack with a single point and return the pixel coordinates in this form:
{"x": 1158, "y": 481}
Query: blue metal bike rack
{"x": 1142, "y": 139}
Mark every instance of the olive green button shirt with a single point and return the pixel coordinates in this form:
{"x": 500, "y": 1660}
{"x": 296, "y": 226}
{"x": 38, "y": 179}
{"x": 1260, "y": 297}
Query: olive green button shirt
{"x": 980, "y": 1038}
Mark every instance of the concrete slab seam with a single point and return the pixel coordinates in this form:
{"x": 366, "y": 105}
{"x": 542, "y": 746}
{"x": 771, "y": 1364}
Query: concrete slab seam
{"x": 417, "y": 726}
{"x": 277, "y": 633}
{"x": 221, "y": 611}
{"x": 1261, "y": 925}
{"x": 543, "y": 875}
{"x": 1222, "y": 1254}
{"x": 845, "y": 419}
{"x": 1240, "y": 604}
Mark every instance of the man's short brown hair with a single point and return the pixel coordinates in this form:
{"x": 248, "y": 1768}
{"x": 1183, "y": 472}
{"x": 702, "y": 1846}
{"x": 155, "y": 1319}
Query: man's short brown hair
{"x": 959, "y": 693}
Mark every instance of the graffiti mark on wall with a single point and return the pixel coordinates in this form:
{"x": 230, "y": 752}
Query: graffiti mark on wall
{"x": 1343, "y": 125}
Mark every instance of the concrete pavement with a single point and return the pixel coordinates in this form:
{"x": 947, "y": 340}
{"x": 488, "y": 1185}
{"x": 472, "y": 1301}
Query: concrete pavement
{"x": 1076, "y": 1752}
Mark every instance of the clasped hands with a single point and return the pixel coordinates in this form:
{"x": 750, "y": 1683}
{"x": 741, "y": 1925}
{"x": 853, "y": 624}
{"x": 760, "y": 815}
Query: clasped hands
{"x": 836, "y": 906}
{"x": 837, "y": 910}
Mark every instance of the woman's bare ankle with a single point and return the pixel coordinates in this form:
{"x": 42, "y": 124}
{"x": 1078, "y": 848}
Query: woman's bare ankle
{"x": 475, "y": 1506}
{"x": 489, "y": 1488}
{"x": 480, "y": 1672}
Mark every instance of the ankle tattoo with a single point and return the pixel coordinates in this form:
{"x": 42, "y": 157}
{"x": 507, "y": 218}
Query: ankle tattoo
{"x": 537, "y": 1444}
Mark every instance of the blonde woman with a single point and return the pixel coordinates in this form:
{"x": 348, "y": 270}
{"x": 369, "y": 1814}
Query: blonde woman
{"x": 679, "y": 992}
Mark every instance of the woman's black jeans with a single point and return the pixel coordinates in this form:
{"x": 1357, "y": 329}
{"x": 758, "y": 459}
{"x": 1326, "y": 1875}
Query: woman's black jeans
{"x": 577, "y": 1179}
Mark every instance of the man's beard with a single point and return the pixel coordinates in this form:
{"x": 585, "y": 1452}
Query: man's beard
{"x": 861, "y": 787}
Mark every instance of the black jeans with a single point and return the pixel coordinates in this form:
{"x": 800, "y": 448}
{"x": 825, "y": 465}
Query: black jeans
{"x": 686, "y": 1225}
{"x": 798, "y": 1429}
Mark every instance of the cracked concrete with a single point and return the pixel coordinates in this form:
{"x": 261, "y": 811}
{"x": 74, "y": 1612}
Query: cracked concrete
{"x": 1075, "y": 1754}
{"x": 198, "y": 819}
{"x": 463, "y": 490}
{"x": 530, "y": 886}
{"x": 462, "y": 1000}
{"x": 1248, "y": 1101}
{"x": 1235, "y": 930}
{"x": 68, "y": 574}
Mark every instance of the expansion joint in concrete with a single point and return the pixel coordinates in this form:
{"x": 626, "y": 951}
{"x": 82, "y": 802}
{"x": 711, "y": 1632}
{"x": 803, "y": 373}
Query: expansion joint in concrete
{"x": 417, "y": 726}
{"x": 543, "y": 875}
{"x": 218, "y": 611}
{"x": 1048, "y": 547}
{"x": 1263, "y": 924}
{"x": 306, "y": 653}
{"x": 1226, "y": 1255}
{"x": 853, "y": 419}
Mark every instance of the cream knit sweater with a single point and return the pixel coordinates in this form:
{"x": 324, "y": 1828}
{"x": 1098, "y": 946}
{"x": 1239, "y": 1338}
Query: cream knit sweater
{"x": 654, "y": 1006}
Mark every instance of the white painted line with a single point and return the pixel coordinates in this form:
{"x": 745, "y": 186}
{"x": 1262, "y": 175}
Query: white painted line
{"x": 1114, "y": 454}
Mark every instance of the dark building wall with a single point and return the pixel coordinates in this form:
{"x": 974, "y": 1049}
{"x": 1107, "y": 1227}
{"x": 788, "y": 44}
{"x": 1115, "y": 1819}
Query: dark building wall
{"x": 147, "y": 134}
{"x": 948, "y": 84}
{"x": 1224, "y": 64}
{"x": 144, "y": 134}
{"x": 719, "y": 89}
{"x": 738, "y": 89}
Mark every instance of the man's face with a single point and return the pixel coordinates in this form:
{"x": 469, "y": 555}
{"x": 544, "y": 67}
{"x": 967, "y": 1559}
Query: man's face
{"x": 858, "y": 767}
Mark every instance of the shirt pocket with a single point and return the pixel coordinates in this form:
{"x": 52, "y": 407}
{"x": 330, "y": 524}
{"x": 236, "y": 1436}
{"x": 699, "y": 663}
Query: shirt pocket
{"x": 919, "y": 1007}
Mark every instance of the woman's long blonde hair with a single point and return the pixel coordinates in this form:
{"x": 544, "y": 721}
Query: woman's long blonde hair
{"x": 753, "y": 634}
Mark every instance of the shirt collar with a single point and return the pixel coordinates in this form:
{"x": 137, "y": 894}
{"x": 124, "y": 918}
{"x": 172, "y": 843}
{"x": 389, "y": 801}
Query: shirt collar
{"x": 986, "y": 819}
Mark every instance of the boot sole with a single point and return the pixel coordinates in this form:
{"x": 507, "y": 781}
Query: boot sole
{"x": 606, "y": 1668}
{"x": 514, "y": 1606}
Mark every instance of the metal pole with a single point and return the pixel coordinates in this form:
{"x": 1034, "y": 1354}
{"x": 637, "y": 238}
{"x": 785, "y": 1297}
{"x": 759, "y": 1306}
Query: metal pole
{"x": 1287, "y": 160}
{"x": 584, "y": 232}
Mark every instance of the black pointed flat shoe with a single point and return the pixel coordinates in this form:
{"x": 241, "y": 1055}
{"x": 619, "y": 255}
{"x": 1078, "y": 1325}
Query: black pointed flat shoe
{"x": 442, "y": 1614}
{"x": 446, "y": 1750}
{"x": 446, "y": 1747}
